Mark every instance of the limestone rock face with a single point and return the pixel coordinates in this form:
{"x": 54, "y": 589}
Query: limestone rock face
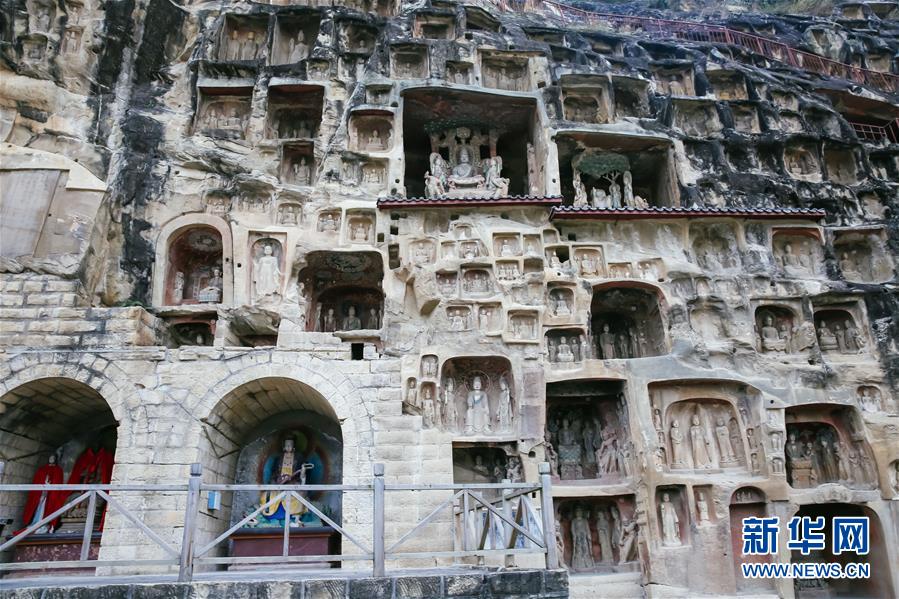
{"x": 464, "y": 238}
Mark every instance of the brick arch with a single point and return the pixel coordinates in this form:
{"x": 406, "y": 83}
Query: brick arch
{"x": 99, "y": 374}
{"x": 327, "y": 381}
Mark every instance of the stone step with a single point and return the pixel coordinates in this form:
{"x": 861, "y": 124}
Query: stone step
{"x": 605, "y": 586}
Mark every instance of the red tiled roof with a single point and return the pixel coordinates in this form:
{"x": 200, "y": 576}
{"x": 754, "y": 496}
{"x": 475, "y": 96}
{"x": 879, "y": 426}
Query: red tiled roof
{"x": 588, "y": 213}
{"x": 385, "y": 203}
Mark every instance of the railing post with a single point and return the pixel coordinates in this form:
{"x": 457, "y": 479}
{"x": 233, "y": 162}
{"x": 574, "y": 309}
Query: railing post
{"x": 191, "y": 513}
{"x": 548, "y": 513}
{"x": 509, "y": 558}
{"x": 377, "y": 540}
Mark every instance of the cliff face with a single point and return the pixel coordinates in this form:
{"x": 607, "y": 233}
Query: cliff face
{"x": 515, "y": 193}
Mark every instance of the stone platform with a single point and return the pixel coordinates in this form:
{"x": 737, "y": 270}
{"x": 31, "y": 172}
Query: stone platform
{"x": 458, "y": 583}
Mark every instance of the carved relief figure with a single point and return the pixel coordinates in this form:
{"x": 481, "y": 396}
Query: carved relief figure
{"x": 581, "y": 542}
{"x": 267, "y": 274}
{"x": 670, "y": 522}
{"x": 504, "y": 407}
{"x": 477, "y": 416}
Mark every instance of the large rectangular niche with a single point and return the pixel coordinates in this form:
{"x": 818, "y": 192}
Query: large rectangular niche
{"x": 434, "y": 119}
{"x": 294, "y": 38}
{"x": 294, "y": 111}
{"x": 650, "y": 161}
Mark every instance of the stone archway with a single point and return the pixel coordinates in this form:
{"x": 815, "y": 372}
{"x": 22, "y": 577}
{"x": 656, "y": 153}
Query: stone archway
{"x": 266, "y": 404}
{"x": 55, "y": 429}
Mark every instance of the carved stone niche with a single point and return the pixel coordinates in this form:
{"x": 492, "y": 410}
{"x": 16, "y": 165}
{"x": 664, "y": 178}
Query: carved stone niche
{"x": 567, "y": 347}
{"x": 294, "y": 111}
{"x": 841, "y": 165}
{"x": 801, "y": 162}
{"x": 605, "y": 170}
{"x": 298, "y": 164}
{"x": 290, "y": 213}
{"x": 191, "y": 331}
{"x": 550, "y": 236}
{"x": 672, "y": 517}
{"x": 797, "y": 252}
{"x": 217, "y": 202}
{"x": 356, "y": 37}
{"x": 746, "y": 118}
{"x": 374, "y": 174}
{"x": 489, "y": 318}
{"x": 728, "y": 85}
{"x": 71, "y": 40}
{"x": 870, "y": 399}
{"x": 585, "y": 98}
{"x": 746, "y": 502}
{"x": 631, "y": 96}
{"x": 429, "y": 365}
{"x": 508, "y": 270}
{"x": 523, "y": 327}
{"x": 343, "y": 291}
{"x": 371, "y": 131}
{"x": 674, "y": 81}
{"x": 863, "y": 255}
{"x": 705, "y": 434}
{"x": 223, "y": 114}
{"x": 434, "y": 26}
{"x": 377, "y": 94}
{"x": 784, "y": 100}
{"x": 194, "y": 267}
{"x": 34, "y": 48}
{"x": 587, "y": 426}
{"x": 598, "y": 534}
{"x": 779, "y": 329}
{"x": 826, "y": 444}
{"x": 294, "y": 38}
{"x": 421, "y": 251}
{"x": 448, "y": 283}
{"x": 879, "y": 61}
{"x": 459, "y": 318}
{"x": 841, "y": 329}
{"x": 557, "y": 256}
{"x": 267, "y": 269}
{"x": 360, "y": 226}
{"x": 409, "y": 62}
{"x": 477, "y": 282}
{"x": 243, "y": 38}
{"x": 651, "y": 270}
{"x": 318, "y": 69}
{"x": 480, "y": 463}
{"x": 41, "y": 16}
{"x": 715, "y": 247}
{"x": 626, "y": 322}
{"x": 696, "y": 118}
{"x": 508, "y": 72}
{"x": 560, "y": 304}
{"x": 329, "y": 222}
{"x": 621, "y": 270}
{"x": 458, "y": 73}
{"x": 506, "y": 244}
{"x": 477, "y": 397}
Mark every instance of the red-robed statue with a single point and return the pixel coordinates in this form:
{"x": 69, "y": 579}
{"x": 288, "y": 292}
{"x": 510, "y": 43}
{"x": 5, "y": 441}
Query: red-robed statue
{"x": 44, "y": 503}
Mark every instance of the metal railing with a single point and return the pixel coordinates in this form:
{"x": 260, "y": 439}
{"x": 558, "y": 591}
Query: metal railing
{"x": 470, "y": 513}
{"x": 701, "y": 32}
{"x": 877, "y": 133}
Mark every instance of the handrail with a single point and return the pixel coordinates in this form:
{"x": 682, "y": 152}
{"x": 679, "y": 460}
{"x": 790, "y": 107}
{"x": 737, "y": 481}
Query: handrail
{"x": 888, "y": 132}
{"x": 703, "y": 32}
{"x": 469, "y": 505}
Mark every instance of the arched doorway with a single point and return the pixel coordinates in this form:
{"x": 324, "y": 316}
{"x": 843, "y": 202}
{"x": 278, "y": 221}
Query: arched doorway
{"x": 273, "y": 430}
{"x": 54, "y": 430}
{"x": 877, "y": 585}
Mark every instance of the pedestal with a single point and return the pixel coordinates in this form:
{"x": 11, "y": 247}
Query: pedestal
{"x": 54, "y": 547}
{"x": 258, "y": 542}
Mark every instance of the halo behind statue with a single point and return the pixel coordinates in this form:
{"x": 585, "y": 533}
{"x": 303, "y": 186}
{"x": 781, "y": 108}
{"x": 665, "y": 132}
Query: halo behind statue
{"x": 485, "y": 380}
{"x": 597, "y": 163}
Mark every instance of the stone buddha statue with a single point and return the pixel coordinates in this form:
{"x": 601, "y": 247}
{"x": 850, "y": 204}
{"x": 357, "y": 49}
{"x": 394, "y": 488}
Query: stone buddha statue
{"x": 770, "y": 336}
{"x": 464, "y": 169}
